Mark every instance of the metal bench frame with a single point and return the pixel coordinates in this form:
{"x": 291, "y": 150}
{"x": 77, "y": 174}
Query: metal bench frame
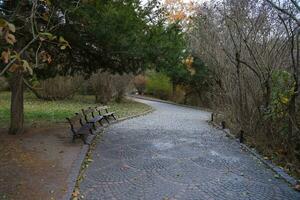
{"x": 90, "y": 117}
{"x": 82, "y": 131}
{"x": 105, "y": 114}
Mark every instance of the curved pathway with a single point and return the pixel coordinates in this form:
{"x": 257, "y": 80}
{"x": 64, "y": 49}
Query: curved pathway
{"x": 173, "y": 153}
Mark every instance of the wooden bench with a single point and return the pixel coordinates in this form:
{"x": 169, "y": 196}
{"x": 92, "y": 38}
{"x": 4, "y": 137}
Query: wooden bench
{"x": 103, "y": 111}
{"x": 79, "y": 128}
{"x": 91, "y": 117}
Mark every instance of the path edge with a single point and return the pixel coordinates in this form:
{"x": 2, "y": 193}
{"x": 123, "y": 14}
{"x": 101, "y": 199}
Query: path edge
{"x": 268, "y": 163}
{"x": 168, "y": 102}
{"x": 76, "y": 166}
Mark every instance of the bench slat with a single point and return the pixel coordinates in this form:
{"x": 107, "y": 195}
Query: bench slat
{"x": 99, "y": 108}
{"x": 108, "y": 114}
{"x": 96, "y": 119}
{"x": 88, "y": 111}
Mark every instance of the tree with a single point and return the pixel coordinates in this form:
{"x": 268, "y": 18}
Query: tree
{"x": 80, "y": 37}
{"x": 289, "y": 16}
{"x": 250, "y": 48}
{"x": 23, "y": 50}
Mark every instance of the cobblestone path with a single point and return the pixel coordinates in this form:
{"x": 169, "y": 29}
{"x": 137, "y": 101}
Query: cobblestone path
{"x": 173, "y": 153}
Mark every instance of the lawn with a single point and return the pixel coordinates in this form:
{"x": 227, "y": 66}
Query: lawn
{"x": 40, "y": 111}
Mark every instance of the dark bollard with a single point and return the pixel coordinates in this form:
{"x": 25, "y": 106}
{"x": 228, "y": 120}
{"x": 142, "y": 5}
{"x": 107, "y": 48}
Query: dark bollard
{"x": 242, "y": 136}
{"x": 223, "y": 124}
{"x": 212, "y": 117}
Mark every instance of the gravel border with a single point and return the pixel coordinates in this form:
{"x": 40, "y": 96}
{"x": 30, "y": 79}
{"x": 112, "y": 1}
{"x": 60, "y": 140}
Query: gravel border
{"x": 76, "y": 166}
{"x": 279, "y": 171}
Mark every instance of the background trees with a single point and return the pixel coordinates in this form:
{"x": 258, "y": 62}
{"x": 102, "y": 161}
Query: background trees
{"x": 42, "y": 39}
{"x": 251, "y": 50}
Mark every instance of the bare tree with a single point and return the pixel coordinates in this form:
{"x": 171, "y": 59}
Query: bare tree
{"x": 249, "y": 45}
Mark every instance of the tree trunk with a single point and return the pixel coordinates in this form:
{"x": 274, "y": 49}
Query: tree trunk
{"x": 240, "y": 95}
{"x": 292, "y": 117}
{"x": 267, "y": 95}
{"x": 17, "y": 104}
{"x": 173, "y": 91}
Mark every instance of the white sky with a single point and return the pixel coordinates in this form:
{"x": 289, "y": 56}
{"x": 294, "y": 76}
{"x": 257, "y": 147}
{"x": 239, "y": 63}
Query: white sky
{"x": 198, "y": 1}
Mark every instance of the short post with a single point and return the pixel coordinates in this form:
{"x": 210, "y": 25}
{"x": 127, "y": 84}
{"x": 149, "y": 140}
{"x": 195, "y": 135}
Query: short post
{"x": 223, "y": 124}
{"x": 241, "y": 136}
{"x": 212, "y": 117}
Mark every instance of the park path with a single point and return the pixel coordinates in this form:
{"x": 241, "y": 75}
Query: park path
{"x": 173, "y": 153}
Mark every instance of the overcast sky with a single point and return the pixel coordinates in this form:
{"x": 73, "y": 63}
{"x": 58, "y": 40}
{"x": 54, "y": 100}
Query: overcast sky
{"x": 199, "y": 1}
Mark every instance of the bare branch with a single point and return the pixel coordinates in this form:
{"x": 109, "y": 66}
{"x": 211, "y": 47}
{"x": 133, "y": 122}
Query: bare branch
{"x": 282, "y": 10}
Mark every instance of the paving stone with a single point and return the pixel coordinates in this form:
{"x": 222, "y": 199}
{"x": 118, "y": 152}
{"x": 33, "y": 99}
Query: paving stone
{"x": 173, "y": 154}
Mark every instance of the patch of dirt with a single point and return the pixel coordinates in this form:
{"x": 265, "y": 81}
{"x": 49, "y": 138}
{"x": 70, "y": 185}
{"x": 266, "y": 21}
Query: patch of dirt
{"x": 36, "y": 164}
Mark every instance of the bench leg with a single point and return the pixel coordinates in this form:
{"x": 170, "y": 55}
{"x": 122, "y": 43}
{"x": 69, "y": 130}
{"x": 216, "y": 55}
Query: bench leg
{"x": 106, "y": 119}
{"x": 94, "y": 126}
{"x": 91, "y": 131}
{"x": 73, "y": 138}
{"x": 84, "y": 138}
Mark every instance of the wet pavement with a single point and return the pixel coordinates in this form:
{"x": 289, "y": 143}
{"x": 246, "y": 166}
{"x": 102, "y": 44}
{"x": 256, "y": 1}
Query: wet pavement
{"x": 173, "y": 153}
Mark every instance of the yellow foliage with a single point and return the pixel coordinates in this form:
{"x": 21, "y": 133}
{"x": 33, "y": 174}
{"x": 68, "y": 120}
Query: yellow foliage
{"x": 284, "y": 100}
{"x": 179, "y": 10}
{"x": 189, "y": 64}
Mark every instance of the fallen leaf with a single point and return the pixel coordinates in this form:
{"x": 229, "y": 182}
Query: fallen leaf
{"x": 125, "y": 167}
{"x": 76, "y": 192}
{"x": 297, "y": 187}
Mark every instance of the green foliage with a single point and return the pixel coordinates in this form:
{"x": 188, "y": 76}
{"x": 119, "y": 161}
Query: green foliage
{"x": 195, "y": 78}
{"x": 116, "y": 36}
{"x": 282, "y": 90}
{"x": 120, "y": 37}
{"x": 159, "y": 85}
{"x": 174, "y": 53}
{"x": 201, "y": 78}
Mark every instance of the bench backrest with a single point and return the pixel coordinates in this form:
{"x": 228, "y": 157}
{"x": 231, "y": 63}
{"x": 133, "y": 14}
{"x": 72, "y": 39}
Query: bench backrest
{"x": 101, "y": 108}
{"x": 74, "y": 121}
{"x": 90, "y": 111}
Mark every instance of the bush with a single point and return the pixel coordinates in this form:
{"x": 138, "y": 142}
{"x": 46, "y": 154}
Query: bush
{"x": 121, "y": 84}
{"x": 57, "y": 88}
{"x": 102, "y": 87}
{"x": 159, "y": 85}
{"x": 140, "y": 83}
{"x": 107, "y": 86}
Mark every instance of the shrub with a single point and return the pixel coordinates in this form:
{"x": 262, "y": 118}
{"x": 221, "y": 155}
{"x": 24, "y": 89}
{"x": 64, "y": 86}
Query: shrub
{"x": 57, "y": 88}
{"x": 282, "y": 91}
{"x": 102, "y": 87}
{"x": 159, "y": 85}
{"x": 121, "y": 84}
{"x": 140, "y": 83}
{"x": 107, "y": 86}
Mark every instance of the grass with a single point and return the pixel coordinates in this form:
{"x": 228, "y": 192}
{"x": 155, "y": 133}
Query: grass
{"x": 40, "y": 111}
